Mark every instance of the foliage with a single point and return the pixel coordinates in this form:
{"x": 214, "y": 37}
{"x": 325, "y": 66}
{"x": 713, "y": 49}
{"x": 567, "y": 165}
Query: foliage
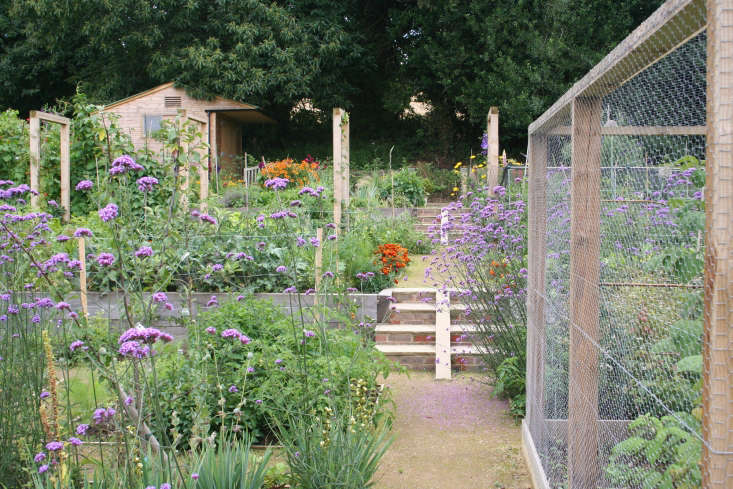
{"x": 368, "y": 58}
{"x": 230, "y": 464}
{"x": 659, "y": 453}
{"x": 486, "y": 258}
{"x": 266, "y": 369}
{"x": 511, "y": 384}
{"x": 14, "y": 137}
{"x": 332, "y": 451}
{"x": 138, "y": 242}
{"x": 408, "y": 188}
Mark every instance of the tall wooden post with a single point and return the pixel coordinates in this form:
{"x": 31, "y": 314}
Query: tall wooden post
{"x": 717, "y": 390}
{"x": 338, "y": 179}
{"x": 585, "y": 218}
{"x": 492, "y": 150}
{"x": 35, "y": 157}
{"x": 536, "y": 283}
{"x": 65, "y": 170}
{"x": 345, "y": 160}
{"x": 212, "y": 161}
{"x": 318, "y": 269}
{"x": 83, "y": 277}
{"x": 442, "y": 335}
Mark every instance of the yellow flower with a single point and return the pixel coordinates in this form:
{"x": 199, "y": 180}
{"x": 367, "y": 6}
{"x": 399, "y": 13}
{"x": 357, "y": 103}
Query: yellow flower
{"x": 473, "y": 156}
{"x": 483, "y": 176}
{"x": 458, "y": 164}
{"x": 455, "y": 189}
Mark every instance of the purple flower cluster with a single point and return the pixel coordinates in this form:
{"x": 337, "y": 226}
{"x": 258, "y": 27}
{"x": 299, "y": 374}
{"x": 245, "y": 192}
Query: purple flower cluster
{"x": 134, "y": 349}
{"x": 84, "y": 185}
{"x": 11, "y": 192}
{"x": 312, "y": 192}
{"x": 108, "y": 212}
{"x": 76, "y": 344}
{"x": 235, "y": 333}
{"x": 105, "y": 259}
{"x": 100, "y": 416}
{"x": 143, "y": 252}
{"x": 160, "y": 297}
{"x": 277, "y": 183}
{"x": 145, "y": 184}
{"x": 203, "y": 217}
{"x": 145, "y": 335}
{"x": 123, "y": 164}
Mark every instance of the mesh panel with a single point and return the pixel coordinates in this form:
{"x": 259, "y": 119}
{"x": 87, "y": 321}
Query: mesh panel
{"x": 618, "y": 318}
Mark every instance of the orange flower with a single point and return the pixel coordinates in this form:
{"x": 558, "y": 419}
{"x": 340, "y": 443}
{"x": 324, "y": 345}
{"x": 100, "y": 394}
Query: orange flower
{"x": 393, "y": 256}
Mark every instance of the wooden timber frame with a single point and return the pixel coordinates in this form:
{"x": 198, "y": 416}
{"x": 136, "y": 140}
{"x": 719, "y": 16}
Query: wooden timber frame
{"x": 341, "y": 184}
{"x": 673, "y": 24}
{"x": 717, "y": 389}
{"x": 35, "y": 119}
{"x": 492, "y": 148}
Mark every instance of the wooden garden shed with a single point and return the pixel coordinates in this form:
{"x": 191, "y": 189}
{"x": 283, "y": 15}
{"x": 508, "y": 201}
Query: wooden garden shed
{"x": 222, "y": 121}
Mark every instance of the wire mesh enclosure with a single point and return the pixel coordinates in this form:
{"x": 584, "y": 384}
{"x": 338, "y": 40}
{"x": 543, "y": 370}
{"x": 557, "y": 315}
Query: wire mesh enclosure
{"x": 630, "y": 333}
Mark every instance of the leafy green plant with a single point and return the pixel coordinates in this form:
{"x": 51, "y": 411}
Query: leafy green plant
{"x": 231, "y": 465}
{"x": 511, "y": 384}
{"x": 333, "y": 452}
{"x": 408, "y": 185}
{"x": 659, "y": 453}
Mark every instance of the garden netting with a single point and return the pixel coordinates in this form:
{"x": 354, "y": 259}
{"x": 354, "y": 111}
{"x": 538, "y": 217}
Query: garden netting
{"x": 616, "y": 398}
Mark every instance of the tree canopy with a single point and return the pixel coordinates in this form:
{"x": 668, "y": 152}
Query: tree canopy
{"x": 460, "y": 57}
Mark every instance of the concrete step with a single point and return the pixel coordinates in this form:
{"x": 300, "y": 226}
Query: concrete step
{"x": 387, "y": 334}
{"x": 424, "y": 349}
{"x": 422, "y": 357}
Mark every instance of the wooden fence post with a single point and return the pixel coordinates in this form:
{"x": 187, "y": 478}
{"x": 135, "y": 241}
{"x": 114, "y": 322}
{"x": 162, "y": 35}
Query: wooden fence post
{"x": 442, "y": 334}
{"x": 338, "y": 180}
{"x": 717, "y": 393}
{"x": 536, "y": 283}
{"x": 35, "y": 157}
{"x": 345, "y": 161}
{"x": 318, "y": 267}
{"x": 83, "y": 277}
{"x": 492, "y": 149}
{"x": 585, "y": 218}
{"x": 65, "y": 161}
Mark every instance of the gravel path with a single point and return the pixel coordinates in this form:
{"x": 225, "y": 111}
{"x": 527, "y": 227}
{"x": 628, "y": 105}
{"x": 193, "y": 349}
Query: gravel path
{"x": 451, "y": 435}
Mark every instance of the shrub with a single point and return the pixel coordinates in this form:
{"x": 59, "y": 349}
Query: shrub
{"x": 268, "y": 368}
{"x": 409, "y": 187}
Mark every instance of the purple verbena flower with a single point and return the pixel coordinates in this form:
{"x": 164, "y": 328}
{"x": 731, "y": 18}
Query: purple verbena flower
{"x": 54, "y": 446}
{"x": 145, "y": 184}
{"x": 84, "y": 185}
{"x": 144, "y": 251}
{"x": 105, "y": 259}
{"x": 160, "y": 297}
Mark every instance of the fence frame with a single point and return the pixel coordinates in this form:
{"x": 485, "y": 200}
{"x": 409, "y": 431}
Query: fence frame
{"x": 36, "y": 116}
{"x": 673, "y": 24}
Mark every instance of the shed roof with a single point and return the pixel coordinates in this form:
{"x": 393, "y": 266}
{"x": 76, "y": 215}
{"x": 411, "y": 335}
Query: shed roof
{"x": 237, "y": 110}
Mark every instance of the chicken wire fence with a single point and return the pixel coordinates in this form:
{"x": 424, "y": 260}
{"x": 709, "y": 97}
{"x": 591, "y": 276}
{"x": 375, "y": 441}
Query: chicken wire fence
{"x": 621, "y": 291}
